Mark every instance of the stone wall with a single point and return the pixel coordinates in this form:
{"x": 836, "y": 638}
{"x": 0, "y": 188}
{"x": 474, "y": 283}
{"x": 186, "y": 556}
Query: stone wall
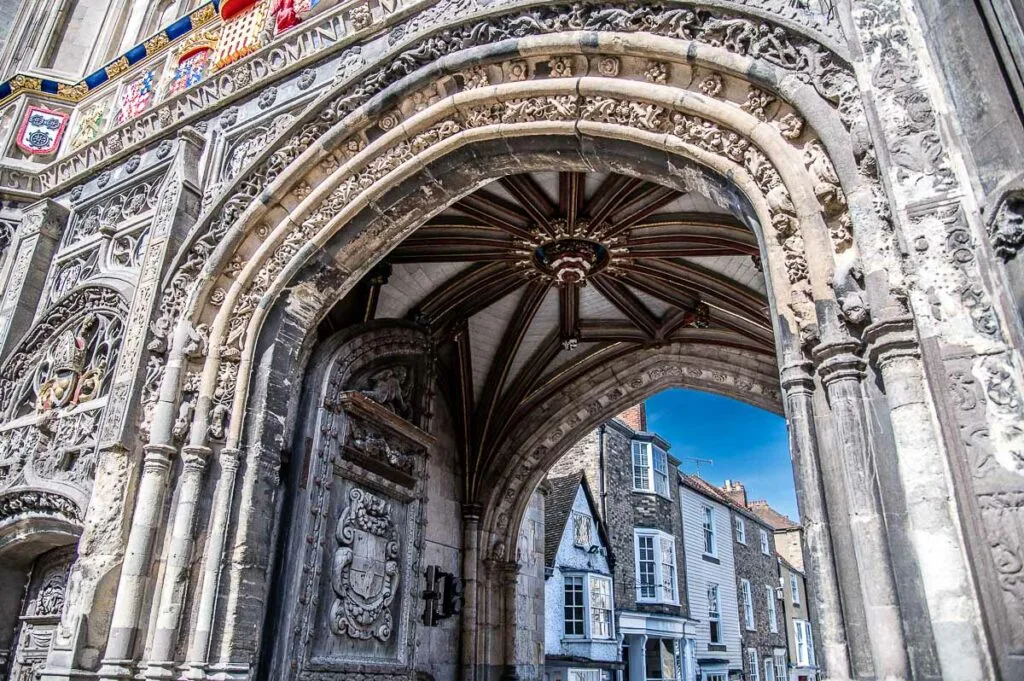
{"x": 762, "y": 571}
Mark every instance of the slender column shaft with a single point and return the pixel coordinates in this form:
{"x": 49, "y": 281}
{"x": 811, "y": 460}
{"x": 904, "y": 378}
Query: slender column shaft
{"x": 941, "y": 557}
{"x": 135, "y": 568}
{"x": 509, "y": 580}
{"x": 198, "y": 652}
{"x": 826, "y": 606}
{"x": 470, "y": 581}
{"x": 841, "y": 373}
{"x": 179, "y": 556}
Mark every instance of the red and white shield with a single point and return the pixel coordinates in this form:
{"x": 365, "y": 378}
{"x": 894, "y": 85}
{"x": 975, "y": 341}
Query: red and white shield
{"x": 41, "y": 130}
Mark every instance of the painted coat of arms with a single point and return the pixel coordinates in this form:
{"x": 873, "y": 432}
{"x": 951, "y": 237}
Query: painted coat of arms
{"x": 41, "y": 130}
{"x": 365, "y": 571}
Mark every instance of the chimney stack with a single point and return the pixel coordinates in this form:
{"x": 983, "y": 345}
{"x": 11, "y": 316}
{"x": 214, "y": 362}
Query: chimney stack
{"x": 735, "y": 490}
{"x": 635, "y": 417}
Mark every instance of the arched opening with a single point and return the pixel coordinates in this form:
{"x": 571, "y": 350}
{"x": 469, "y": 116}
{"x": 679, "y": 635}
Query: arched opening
{"x": 292, "y": 259}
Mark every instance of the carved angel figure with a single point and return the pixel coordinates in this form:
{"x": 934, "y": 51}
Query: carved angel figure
{"x": 388, "y": 389}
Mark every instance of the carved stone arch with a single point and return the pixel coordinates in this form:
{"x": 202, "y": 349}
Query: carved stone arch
{"x": 553, "y": 425}
{"x": 417, "y": 44}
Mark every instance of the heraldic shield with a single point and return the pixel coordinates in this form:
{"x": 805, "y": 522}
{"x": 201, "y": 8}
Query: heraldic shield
{"x": 365, "y": 571}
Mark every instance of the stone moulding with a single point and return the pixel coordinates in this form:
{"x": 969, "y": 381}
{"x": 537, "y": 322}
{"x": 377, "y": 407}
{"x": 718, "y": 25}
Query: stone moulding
{"x": 39, "y": 503}
{"x": 323, "y": 38}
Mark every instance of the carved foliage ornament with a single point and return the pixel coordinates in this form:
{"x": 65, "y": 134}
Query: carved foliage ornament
{"x": 829, "y": 74}
{"x": 365, "y": 570}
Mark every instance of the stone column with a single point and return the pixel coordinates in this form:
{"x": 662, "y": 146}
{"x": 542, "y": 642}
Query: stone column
{"x": 941, "y": 556}
{"x": 171, "y": 594}
{"x": 470, "y": 579}
{"x": 118, "y": 660}
{"x": 199, "y": 649}
{"x": 841, "y": 373}
{"x": 509, "y": 582}
{"x": 825, "y": 606}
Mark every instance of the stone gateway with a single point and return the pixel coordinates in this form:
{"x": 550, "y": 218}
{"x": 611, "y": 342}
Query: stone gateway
{"x": 309, "y": 297}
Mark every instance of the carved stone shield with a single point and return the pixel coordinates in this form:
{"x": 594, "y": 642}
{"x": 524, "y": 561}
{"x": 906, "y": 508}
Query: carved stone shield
{"x": 367, "y": 573}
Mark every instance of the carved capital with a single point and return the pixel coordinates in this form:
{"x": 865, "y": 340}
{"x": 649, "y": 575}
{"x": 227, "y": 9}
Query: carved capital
{"x": 891, "y": 339}
{"x": 1005, "y": 221}
{"x": 797, "y": 378}
{"x": 838, "y": 360}
{"x": 472, "y": 512}
{"x": 157, "y": 458}
{"x": 229, "y": 459}
{"x": 194, "y": 457}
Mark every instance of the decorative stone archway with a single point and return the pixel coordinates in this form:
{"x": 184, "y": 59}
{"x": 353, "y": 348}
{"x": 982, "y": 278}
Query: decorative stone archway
{"x": 756, "y": 108}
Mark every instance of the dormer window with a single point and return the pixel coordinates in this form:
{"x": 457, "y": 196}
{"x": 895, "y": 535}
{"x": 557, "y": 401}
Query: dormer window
{"x": 650, "y": 469}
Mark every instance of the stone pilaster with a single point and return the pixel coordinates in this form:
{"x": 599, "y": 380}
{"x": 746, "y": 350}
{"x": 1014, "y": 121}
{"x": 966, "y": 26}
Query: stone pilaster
{"x": 118, "y": 662}
{"x": 825, "y": 606}
{"x": 170, "y": 596}
{"x": 927, "y": 487}
{"x": 31, "y": 253}
{"x": 841, "y": 371}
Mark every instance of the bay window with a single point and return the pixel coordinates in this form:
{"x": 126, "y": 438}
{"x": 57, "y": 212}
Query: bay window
{"x": 655, "y": 554}
{"x": 588, "y": 607}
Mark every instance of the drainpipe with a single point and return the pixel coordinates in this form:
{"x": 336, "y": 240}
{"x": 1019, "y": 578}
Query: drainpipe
{"x": 602, "y": 472}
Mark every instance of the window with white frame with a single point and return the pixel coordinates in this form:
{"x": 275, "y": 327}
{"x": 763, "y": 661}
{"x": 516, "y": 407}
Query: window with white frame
{"x": 748, "y": 604}
{"x": 769, "y": 593}
{"x": 779, "y": 665}
{"x": 769, "y": 671}
{"x": 794, "y": 588}
{"x": 584, "y": 675}
{"x": 588, "y": 606}
{"x": 574, "y": 620}
{"x": 741, "y": 530}
{"x": 765, "y": 546}
{"x": 600, "y": 607}
{"x": 650, "y": 469}
{"x": 581, "y": 530}
{"x": 755, "y": 673}
{"x": 709, "y": 531}
{"x": 804, "y": 643}
{"x": 714, "y": 615}
{"x": 655, "y": 554}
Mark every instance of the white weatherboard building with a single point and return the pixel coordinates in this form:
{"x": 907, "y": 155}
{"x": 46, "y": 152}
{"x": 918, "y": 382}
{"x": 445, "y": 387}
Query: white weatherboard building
{"x": 711, "y": 582}
{"x": 581, "y": 641}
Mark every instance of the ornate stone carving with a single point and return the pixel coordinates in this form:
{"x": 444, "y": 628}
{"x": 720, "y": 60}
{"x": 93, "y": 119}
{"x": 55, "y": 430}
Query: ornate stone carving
{"x": 1006, "y": 227}
{"x": 107, "y": 214}
{"x": 67, "y": 356}
{"x": 38, "y": 502}
{"x": 388, "y": 387}
{"x": 365, "y": 570}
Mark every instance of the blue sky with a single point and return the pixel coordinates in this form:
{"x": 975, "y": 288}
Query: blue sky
{"x": 746, "y": 443}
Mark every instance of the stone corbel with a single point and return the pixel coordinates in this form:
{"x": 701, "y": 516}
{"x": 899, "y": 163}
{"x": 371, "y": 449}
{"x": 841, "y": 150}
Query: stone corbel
{"x": 1004, "y": 218}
